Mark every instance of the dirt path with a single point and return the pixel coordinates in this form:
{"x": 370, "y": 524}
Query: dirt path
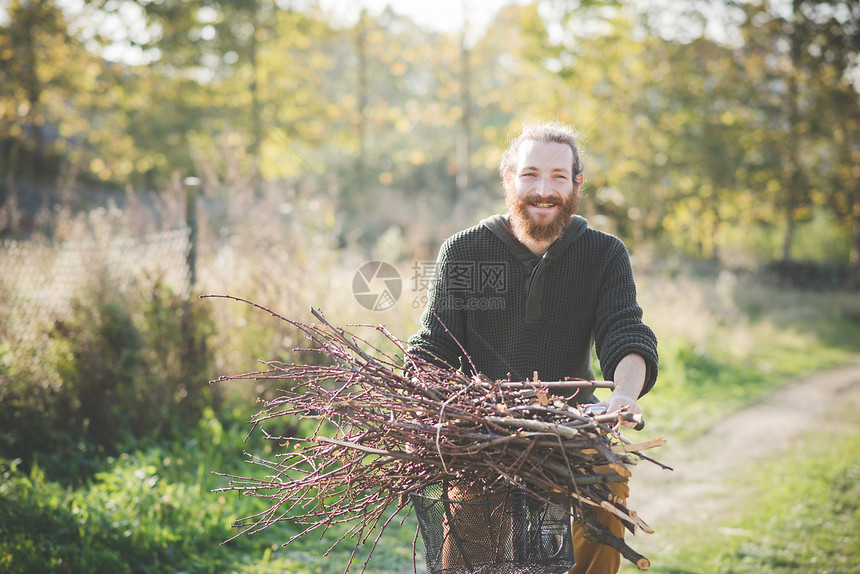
{"x": 699, "y": 488}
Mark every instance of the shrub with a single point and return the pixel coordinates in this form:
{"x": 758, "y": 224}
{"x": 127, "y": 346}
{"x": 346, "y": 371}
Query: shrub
{"x": 120, "y": 369}
{"x": 137, "y": 374}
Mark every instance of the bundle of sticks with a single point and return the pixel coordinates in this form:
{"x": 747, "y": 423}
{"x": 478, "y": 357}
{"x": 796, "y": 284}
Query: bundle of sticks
{"x": 390, "y": 425}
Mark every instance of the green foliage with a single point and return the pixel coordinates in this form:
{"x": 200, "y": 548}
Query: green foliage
{"x": 110, "y": 375}
{"x": 104, "y": 363}
{"x": 153, "y": 510}
{"x": 135, "y": 375}
{"x": 178, "y": 358}
{"x": 36, "y": 409}
{"x": 131, "y": 517}
{"x": 41, "y": 534}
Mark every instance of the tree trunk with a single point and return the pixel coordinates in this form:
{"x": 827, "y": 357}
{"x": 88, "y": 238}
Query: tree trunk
{"x": 33, "y": 85}
{"x": 790, "y": 225}
{"x": 256, "y": 118}
{"x": 854, "y": 280}
{"x": 362, "y": 88}
{"x": 463, "y": 143}
{"x": 794, "y": 184}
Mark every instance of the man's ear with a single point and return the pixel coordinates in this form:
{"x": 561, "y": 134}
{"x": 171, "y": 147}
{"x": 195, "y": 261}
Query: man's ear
{"x": 509, "y": 176}
{"x": 579, "y": 179}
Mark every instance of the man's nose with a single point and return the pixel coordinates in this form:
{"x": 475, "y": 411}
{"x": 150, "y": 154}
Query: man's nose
{"x": 544, "y": 186}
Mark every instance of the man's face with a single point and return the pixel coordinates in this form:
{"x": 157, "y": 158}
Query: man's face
{"x": 541, "y": 192}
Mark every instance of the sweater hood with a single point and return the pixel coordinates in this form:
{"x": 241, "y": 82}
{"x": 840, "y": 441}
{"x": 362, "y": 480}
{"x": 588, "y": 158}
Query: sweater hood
{"x": 500, "y": 226}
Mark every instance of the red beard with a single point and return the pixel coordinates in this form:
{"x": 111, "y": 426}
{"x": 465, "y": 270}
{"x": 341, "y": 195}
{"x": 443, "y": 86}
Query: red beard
{"x": 522, "y": 221}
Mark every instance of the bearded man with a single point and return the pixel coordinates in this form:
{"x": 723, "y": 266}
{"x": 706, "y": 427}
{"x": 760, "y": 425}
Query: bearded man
{"x": 531, "y": 291}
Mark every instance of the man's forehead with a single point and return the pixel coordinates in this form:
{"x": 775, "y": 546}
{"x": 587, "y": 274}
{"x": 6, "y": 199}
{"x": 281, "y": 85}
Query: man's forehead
{"x": 533, "y": 153}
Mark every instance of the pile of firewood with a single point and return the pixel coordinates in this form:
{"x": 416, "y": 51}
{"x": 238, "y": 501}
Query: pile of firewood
{"x": 390, "y": 426}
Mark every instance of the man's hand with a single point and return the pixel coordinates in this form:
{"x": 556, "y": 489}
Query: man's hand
{"x": 629, "y": 380}
{"x": 619, "y": 402}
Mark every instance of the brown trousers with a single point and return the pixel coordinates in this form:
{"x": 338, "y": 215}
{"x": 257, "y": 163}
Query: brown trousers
{"x": 594, "y": 558}
{"x": 485, "y": 533}
{"x": 485, "y": 526}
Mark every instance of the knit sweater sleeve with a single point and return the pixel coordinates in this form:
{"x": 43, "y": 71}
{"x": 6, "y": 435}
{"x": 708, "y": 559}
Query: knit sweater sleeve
{"x": 619, "y": 330}
{"x": 443, "y": 327}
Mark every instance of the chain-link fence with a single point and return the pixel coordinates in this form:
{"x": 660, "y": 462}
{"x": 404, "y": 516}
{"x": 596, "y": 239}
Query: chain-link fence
{"x": 39, "y": 282}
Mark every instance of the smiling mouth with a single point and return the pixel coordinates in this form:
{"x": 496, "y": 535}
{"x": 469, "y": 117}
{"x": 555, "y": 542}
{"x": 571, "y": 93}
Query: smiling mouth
{"x": 544, "y": 204}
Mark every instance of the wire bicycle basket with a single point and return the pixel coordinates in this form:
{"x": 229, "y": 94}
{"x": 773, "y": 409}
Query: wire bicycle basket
{"x": 467, "y": 531}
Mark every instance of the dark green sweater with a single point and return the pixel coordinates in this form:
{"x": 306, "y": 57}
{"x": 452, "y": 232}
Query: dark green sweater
{"x": 515, "y": 314}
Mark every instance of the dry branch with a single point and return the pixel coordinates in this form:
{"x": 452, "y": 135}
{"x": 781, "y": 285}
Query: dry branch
{"x": 392, "y": 426}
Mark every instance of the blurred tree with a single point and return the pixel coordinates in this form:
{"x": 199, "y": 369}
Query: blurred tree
{"x": 70, "y": 113}
{"x": 188, "y": 91}
{"x": 398, "y": 89}
{"x": 37, "y": 55}
{"x": 701, "y": 119}
{"x": 695, "y": 123}
{"x": 64, "y": 113}
{"x": 845, "y": 166}
{"x": 464, "y": 131}
{"x": 834, "y": 56}
{"x": 294, "y": 102}
{"x": 31, "y": 26}
{"x": 511, "y": 83}
{"x": 800, "y": 57}
{"x": 361, "y": 97}
{"x": 698, "y": 134}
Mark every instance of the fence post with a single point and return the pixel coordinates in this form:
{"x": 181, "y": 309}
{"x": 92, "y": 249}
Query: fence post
{"x": 191, "y": 186}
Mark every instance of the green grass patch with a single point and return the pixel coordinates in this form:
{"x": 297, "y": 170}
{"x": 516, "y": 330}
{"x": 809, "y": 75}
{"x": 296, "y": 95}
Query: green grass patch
{"x": 153, "y": 510}
{"x": 802, "y": 515}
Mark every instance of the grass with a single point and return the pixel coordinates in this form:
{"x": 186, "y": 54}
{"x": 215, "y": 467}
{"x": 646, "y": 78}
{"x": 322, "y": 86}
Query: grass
{"x": 154, "y": 510}
{"x": 800, "y": 514}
